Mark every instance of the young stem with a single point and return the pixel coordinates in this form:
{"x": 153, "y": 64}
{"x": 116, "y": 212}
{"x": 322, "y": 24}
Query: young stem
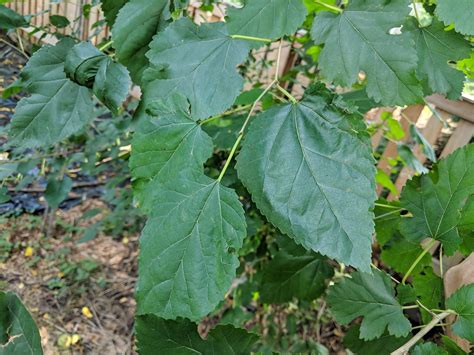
{"x": 106, "y": 45}
{"x": 334, "y": 8}
{"x": 388, "y": 214}
{"x": 227, "y": 113}
{"x": 250, "y": 38}
{"x": 242, "y": 130}
{"x": 252, "y": 109}
{"x": 418, "y": 259}
{"x": 407, "y": 346}
{"x": 287, "y": 94}
{"x": 411, "y": 307}
{"x": 386, "y": 206}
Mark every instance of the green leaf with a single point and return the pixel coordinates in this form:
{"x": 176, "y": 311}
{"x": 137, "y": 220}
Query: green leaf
{"x": 430, "y": 291}
{"x": 198, "y": 62}
{"x": 18, "y": 331}
{"x": 111, "y": 84}
{"x": 135, "y": 25}
{"x": 312, "y": 176}
{"x": 360, "y": 99}
{"x": 294, "y": 272}
{"x": 82, "y": 63}
{"x": 89, "y": 67}
{"x": 359, "y": 39}
{"x": 111, "y": 8}
{"x": 57, "y": 191}
{"x": 381, "y": 346}
{"x": 436, "y": 199}
{"x": 164, "y": 146}
{"x": 59, "y": 21}
{"x": 405, "y": 294}
{"x": 436, "y": 49}
{"x": 466, "y": 227}
{"x": 372, "y": 297}
{"x": 10, "y": 20}
{"x": 270, "y": 19}
{"x": 462, "y": 302}
{"x": 387, "y": 218}
{"x": 57, "y": 108}
{"x": 400, "y": 254}
{"x": 181, "y": 337}
{"x": 428, "y": 349}
{"x": 189, "y": 246}
{"x": 457, "y": 12}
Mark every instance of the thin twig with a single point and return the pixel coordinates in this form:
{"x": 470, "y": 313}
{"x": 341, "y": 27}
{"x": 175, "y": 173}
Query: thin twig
{"x": 407, "y": 346}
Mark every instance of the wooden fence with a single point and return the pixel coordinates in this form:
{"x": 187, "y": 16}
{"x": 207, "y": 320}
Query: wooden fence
{"x": 458, "y": 116}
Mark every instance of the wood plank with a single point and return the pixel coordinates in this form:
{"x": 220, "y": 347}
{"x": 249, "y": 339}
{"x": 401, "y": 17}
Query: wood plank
{"x": 461, "y": 136}
{"x": 459, "y": 108}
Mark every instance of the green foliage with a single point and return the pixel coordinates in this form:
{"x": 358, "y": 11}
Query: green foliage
{"x": 57, "y": 107}
{"x": 9, "y": 19}
{"x": 189, "y": 247}
{"x": 190, "y": 57}
{"x": 270, "y": 19}
{"x": 18, "y": 331}
{"x": 359, "y": 39}
{"x": 181, "y": 337}
{"x": 294, "y": 273}
{"x": 457, "y": 12}
{"x": 372, "y": 297}
{"x": 135, "y": 25}
{"x": 436, "y": 48}
{"x": 381, "y": 346}
{"x": 429, "y": 289}
{"x": 436, "y": 199}
{"x": 462, "y": 302}
{"x": 288, "y": 161}
{"x": 306, "y": 164}
{"x": 428, "y": 349}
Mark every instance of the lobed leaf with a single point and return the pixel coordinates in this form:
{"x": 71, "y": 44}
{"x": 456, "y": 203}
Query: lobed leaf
{"x": 359, "y": 39}
{"x": 381, "y": 346}
{"x": 462, "y": 302}
{"x": 266, "y": 18}
{"x": 457, "y": 12}
{"x": 372, "y": 297}
{"x": 436, "y": 199}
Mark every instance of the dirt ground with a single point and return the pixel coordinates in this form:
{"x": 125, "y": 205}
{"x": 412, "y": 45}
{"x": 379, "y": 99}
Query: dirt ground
{"x": 57, "y": 278}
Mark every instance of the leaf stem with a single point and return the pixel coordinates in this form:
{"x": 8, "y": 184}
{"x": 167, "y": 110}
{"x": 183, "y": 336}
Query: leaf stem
{"x": 242, "y": 130}
{"x": 252, "y": 109}
{"x": 227, "y": 113}
{"x": 250, "y": 38}
{"x": 106, "y": 45}
{"x": 411, "y": 307}
{"x": 388, "y": 214}
{"x": 407, "y": 346}
{"x": 418, "y": 259}
{"x": 386, "y": 206}
{"x": 334, "y": 8}
{"x": 287, "y": 94}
